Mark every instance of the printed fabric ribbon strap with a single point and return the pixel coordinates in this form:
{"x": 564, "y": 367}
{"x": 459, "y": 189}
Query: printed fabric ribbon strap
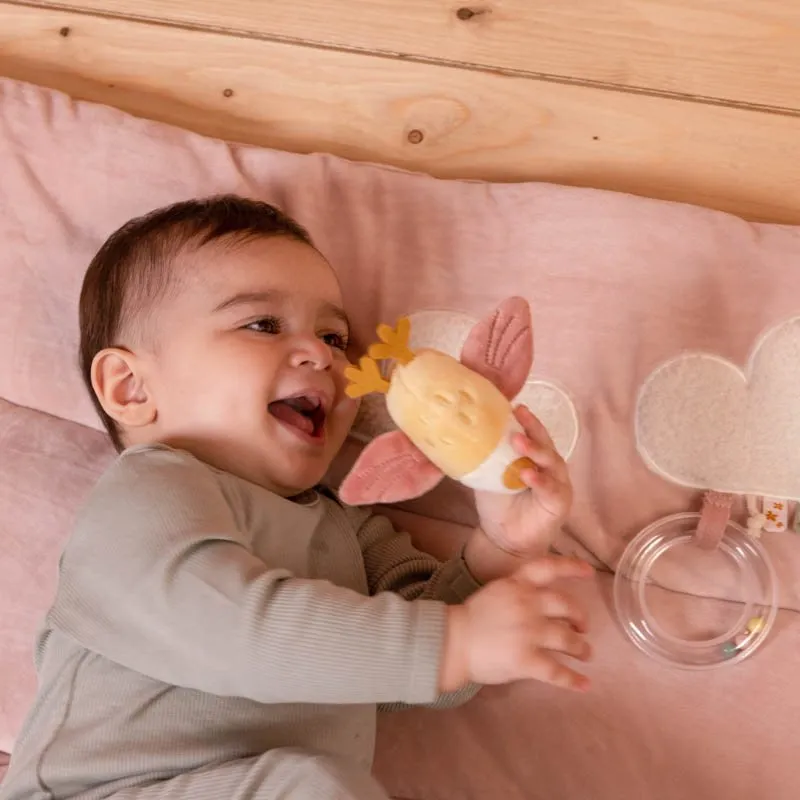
{"x": 776, "y": 514}
{"x": 713, "y": 519}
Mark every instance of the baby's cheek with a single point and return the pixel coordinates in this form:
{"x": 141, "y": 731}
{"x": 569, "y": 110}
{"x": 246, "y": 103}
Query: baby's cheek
{"x": 346, "y": 411}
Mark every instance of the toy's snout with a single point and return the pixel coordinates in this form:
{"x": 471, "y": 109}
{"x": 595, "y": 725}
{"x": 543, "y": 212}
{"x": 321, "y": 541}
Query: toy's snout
{"x": 454, "y": 408}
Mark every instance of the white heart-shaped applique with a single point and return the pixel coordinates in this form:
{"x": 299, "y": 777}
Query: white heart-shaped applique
{"x": 447, "y": 331}
{"x": 703, "y": 422}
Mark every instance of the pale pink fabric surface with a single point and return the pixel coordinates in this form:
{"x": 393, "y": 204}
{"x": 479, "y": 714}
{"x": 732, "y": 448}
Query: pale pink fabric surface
{"x": 645, "y": 731}
{"x": 617, "y": 284}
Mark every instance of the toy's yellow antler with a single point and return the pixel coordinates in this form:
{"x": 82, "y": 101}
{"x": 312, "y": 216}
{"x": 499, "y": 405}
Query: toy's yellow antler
{"x": 365, "y": 379}
{"x": 395, "y": 343}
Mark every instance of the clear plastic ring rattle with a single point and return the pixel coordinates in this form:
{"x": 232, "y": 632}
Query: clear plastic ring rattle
{"x": 757, "y": 601}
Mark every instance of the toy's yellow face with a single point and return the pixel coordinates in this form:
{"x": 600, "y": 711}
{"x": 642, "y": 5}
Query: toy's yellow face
{"x": 453, "y": 415}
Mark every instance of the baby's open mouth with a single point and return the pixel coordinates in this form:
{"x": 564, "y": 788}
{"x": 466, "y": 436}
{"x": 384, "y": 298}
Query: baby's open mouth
{"x": 304, "y": 412}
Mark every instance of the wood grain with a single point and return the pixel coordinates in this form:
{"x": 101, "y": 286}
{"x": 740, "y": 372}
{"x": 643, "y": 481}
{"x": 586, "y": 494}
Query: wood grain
{"x": 735, "y": 51}
{"x": 449, "y": 122}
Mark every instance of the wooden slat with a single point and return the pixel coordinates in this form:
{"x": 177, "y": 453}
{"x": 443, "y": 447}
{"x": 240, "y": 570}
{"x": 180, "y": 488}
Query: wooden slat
{"x": 449, "y": 122}
{"x": 734, "y": 50}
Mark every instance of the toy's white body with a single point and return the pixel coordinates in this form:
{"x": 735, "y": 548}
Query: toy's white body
{"x": 489, "y": 476}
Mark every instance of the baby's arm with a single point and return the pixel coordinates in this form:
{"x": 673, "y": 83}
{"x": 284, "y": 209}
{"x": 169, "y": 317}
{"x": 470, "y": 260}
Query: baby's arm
{"x": 393, "y": 564}
{"x": 159, "y": 579}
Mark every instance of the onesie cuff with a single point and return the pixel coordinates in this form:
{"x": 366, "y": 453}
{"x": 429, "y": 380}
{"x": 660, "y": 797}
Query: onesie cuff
{"x": 427, "y": 651}
{"x": 456, "y": 583}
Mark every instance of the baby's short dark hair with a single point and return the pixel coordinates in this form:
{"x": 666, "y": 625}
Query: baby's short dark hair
{"x": 133, "y": 269}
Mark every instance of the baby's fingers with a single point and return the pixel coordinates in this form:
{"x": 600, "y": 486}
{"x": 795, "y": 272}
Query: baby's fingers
{"x": 544, "y": 571}
{"x": 544, "y": 456}
{"x": 551, "y": 491}
{"x": 559, "y": 637}
{"x": 562, "y": 608}
{"x": 544, "y": 667}
{"x": 533, "y": 426}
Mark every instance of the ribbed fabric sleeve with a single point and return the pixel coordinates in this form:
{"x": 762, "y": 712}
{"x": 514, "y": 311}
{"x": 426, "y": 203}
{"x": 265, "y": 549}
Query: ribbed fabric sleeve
{"x": 159, "y": 579}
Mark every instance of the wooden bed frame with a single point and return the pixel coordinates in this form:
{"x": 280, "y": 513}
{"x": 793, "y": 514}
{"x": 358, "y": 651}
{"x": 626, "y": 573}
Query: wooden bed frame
{"x": 690, "y": 100}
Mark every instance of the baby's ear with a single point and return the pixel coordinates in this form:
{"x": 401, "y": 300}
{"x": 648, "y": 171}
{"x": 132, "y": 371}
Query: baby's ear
{"x": 118, "y": 382}
{"x": 500, "y": 347}
{"x": 390, "y": 469}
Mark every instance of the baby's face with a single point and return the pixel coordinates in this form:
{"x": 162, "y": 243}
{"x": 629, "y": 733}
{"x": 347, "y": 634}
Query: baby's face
{"x": 247, "y": 372}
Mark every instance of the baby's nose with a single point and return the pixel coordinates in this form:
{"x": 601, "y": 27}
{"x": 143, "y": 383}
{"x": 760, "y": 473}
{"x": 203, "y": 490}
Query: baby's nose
{"x": 310, "y": 351}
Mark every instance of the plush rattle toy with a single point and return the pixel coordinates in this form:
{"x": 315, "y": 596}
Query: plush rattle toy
{"x": 454, "y": 417}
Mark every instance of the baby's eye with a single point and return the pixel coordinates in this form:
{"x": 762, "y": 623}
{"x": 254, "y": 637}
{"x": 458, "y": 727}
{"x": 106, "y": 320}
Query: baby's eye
{"x": 265, "y": 325}
{"x": 335, "y": 340}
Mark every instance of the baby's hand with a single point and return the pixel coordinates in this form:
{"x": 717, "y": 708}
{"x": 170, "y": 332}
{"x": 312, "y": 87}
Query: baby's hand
{"x": 526, "y": 523}
{"x": 513, "y": 628}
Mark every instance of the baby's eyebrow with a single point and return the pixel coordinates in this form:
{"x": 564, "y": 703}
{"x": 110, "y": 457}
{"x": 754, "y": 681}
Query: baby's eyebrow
{"x": 243, "y": 298}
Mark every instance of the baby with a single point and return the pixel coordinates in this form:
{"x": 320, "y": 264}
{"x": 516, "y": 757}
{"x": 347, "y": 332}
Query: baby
{"x": 223, "y": 627}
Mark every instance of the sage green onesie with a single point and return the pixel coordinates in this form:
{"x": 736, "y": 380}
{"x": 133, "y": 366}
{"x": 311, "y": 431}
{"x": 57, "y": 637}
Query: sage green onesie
{"x": 210, "y": 639}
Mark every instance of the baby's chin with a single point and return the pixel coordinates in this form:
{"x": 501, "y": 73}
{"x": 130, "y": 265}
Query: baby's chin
{"x": 294, "y": 475}
{"x": 293, "y": 484}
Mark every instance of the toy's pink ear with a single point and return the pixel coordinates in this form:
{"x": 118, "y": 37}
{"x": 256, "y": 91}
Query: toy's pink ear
{"x": 390, "y": 469}
{"x": 500, "y": 347}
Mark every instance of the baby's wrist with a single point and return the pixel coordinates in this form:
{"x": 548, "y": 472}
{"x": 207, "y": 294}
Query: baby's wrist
{"x": 486, "y": 560}
{"x": 454, "y": 668}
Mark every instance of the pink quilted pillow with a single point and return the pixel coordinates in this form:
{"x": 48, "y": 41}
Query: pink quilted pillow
{"x": 47, "y": 467}
{"x": 617, "y": 283}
